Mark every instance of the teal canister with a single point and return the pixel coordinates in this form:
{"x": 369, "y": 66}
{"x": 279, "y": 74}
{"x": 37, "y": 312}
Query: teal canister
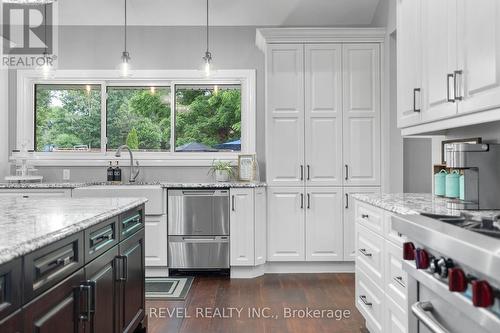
{"x": 439, "y": 182}
{"x": 462, "y": 187}
{"x": 452, "y": 184}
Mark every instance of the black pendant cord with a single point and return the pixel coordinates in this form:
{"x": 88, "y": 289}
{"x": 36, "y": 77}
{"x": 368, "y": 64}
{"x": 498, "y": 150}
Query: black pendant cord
{"x": 45, "y": 27}
{"x": 125, "y": 27}
{"x": 207, "y": 32}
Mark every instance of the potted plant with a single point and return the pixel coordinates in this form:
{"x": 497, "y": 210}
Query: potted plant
{"x": 222, "y": 169}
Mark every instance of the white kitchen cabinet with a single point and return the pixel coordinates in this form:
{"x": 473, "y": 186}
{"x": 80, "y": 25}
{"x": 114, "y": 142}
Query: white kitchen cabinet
{"x": 242, "y": 227}
{"x": 409, "y": 65}
{"x": 285, "y": 114}
{"x": 323, "y": 114}
{"x": 361, "y": 116}
{"x": 36, "y": 193}
{"x": 286, "y": 224}
{"x": 324, "y": 235}
{"x": 260, "y": 225}
{"x": 479, "y": 54}
{"x": 156, "y": 245}
{"x": 439, "y": 31}
{"x": 349, "y": 219}
{"x": 396, "y": 319}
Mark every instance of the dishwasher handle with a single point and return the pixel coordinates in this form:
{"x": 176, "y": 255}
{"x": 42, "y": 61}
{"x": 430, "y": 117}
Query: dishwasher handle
{"x": 199, "y": 193}
{"x": 422, "y": 311}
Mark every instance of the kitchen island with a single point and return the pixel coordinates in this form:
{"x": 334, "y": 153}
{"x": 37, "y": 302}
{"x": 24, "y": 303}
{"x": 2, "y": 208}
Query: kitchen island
{"x": 58, "y": 254}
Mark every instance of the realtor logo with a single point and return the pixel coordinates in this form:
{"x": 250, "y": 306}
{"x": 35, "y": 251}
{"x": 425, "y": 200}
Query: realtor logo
{"x": 28, "y": 33}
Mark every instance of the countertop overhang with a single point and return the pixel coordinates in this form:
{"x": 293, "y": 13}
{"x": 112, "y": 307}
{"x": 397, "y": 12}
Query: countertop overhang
{"x": 163, "y": 184}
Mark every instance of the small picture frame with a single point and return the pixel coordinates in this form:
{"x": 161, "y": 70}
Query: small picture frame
{"x": 444, "y": 143}
{"x": 246, "y": 167}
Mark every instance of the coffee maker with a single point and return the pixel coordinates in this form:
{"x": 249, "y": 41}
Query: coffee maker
{"x": 480, "y": 165}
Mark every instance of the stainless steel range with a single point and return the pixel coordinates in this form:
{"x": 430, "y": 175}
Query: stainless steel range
{"x": 198, "y": 229}
{"x": 453, "y": 266}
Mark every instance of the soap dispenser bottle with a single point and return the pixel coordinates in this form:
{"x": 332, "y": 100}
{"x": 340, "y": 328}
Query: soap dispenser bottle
{"x": 110, "y": 172}
{"x": 117, "y": 173}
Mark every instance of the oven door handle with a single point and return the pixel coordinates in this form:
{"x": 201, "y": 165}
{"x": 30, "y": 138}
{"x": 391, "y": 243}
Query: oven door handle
{"x": 422, "y": 311}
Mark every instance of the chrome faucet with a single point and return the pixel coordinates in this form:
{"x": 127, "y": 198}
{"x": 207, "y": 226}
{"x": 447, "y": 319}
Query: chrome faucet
{"x": 133, "y": 172}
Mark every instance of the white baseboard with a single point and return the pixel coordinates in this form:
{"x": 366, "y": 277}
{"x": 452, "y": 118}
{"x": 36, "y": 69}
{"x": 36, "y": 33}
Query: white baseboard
{"x": 292, "y": 268}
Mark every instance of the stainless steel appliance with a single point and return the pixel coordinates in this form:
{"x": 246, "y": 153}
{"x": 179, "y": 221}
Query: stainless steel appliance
{"x": 198, "y": 228}
{"x": 480, "y": 166}
{"x": 453, "y": 273}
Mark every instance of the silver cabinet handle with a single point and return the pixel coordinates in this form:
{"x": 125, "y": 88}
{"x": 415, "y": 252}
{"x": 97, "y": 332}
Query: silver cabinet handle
{"x": 308, "y": 201}
{"x": 421, "y": 311}
{"x": 450, "y": 77}
{"x": 415, "y": 90}
{"x": 301, "y": 172}
{"x": 346, "y": 172}
{"x": 308, "y": 172}
{"x": 301, "y": 200}
{"x": 457, "y": 84}
{"x": 232, "y": 203}
{"x": 399, "y": 280}
{"x": 346, "y": 201}
{"x": 363, "y": 252}
{"x": 365, "y": 302}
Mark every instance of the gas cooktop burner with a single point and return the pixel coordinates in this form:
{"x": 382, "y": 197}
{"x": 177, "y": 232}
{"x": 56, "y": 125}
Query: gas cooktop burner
{"x": 489, "y": 226}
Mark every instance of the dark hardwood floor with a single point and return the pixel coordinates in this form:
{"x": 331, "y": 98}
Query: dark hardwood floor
{"x": 273, "y": 294}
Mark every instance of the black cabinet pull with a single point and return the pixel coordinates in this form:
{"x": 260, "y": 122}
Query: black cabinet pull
{"x": 232, "y": 203}
{"x": 365, "y": 302}
{"x": 87, "y": 289}
{"x": 301, "y": 172}
{"x": 363, "y": 252}
{"x": 415, "y": 99}
{"x": 448, "y": 77}
{"x": 308, "y": 172}
{"x": 458, "y": 95}
{"x": 399, "y": 280}
{"x": 346, "y": 200}
{"x": 308, "y": 201}
{"x": 346, "y": 172}
{"x": 364, "y": 216}
{"x": 301, "y": 200}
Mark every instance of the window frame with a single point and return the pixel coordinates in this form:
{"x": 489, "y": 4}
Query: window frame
{"x": 27, "y": 79}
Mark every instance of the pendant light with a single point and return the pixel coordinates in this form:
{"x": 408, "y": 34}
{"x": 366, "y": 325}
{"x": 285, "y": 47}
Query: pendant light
{"x": 208, "y": 56}
{"x": 125, "y": 66}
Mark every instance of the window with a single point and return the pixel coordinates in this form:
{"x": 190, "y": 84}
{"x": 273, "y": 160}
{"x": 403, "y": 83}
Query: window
{"x": 207, "y": 118}
{"x": 138, "y": 117}
{"x": 67, "y": 118}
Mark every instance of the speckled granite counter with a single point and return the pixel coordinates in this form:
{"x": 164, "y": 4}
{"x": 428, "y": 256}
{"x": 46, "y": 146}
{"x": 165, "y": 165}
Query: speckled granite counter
{"x": 213, "y": 185}
{"x": 41, "y": 185}
{"x": 416, "y": 203}
{"x": 29, "y": 224}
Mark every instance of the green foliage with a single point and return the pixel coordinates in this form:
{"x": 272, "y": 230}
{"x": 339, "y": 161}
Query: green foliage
{"x": 133, "y": 139}
{"x": 222, "y": 166}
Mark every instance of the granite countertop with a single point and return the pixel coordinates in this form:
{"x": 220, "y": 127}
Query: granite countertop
{"x": 163, "y": 184}
{"x": 27, "y": 224}
{"x": 417, "y": 203}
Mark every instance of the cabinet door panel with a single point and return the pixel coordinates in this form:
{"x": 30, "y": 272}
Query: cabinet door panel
{"x": 324, "y": 236}
{"x": 260, "y": 226}
{"x": 131, "y": 289}
{"x": 285, "y": 114}
{"x": 439, "y": 58}
{"x": 408, "y": 60}
{"x": 156, "y": 240}
{"x": 361, "y": 114}
{"x": 286, "y": 224}
{"x": 13, "y": 323}
{"x": 323, "y": 114}
{"x": 242, "y": 227}
{"x": 479, "y": 52}
{"x": 350, "y": 219}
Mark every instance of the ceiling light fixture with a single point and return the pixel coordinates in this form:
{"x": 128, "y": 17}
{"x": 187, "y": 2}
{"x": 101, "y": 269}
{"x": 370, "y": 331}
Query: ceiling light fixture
{"x": 125, "y": 66}
{"x": 208, "y": 56}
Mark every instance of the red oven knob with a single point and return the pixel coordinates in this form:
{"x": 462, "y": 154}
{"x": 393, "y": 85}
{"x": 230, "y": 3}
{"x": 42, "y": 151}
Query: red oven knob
{"x": 421, "y": 259}
{"x": 482, "y": 294}
{"x": 457, "y": 281}
{"x": 408, "y": 251}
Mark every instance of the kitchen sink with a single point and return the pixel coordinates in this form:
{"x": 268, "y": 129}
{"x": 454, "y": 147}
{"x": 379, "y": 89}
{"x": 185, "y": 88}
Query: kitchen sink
{"x": 154, "y": 194}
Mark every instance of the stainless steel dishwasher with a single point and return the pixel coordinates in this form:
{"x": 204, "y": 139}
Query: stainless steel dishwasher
{"x": 198, "y": 229}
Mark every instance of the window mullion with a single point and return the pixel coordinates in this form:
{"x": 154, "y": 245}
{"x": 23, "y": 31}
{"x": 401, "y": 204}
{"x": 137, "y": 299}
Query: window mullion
{"x": 104, "y": 104}
{"x": 172, "y": 117}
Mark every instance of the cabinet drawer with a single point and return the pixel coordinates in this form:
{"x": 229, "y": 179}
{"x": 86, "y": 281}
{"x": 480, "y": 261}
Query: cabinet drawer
{"x": 131, "y": 221}
{"x": 369, "y": 301}
{"x": 369, "y": 216}
{"x": 390, "y": 233}
{"x": 395, "y": 276}
{"x": 100, "y": 238}
{"x": 396, "y": 320}
{"x": 369, "y": 254}
{"x": 51, "y": 264}
{"x": 10, "y": 287}
{"x": 13, "y": 323}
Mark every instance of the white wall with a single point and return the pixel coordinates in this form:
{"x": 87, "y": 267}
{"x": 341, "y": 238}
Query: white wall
{"x": 4, "y": 124}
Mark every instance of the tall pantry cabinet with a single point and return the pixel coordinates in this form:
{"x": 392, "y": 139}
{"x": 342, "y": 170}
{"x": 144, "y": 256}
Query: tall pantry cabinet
{"x": 323, "y": 138}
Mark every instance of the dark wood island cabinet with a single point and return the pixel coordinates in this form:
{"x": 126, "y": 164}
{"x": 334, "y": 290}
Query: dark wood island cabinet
{"x": 89, "y": 282}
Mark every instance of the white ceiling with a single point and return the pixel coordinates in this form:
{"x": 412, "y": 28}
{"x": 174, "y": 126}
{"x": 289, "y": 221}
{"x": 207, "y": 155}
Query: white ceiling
{"x": 222, "y": 12}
